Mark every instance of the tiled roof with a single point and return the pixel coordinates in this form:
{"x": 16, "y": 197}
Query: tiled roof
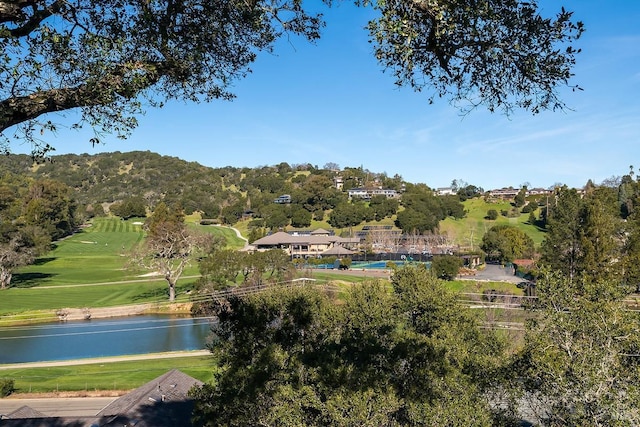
{"x": 338, "y": 250}
{"x": 320, "y": 231}
{"x": 282, "y": 238}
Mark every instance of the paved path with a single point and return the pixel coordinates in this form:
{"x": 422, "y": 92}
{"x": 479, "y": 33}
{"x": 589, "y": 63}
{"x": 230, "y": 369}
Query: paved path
{"x": 495, "y": 273}
{"x": 90, "y": 361}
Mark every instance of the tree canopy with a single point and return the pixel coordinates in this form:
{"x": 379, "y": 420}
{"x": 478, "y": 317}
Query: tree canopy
{"x": 579, "y": 364}
{"x": 294, "y": 357}
{"x": 110, "y": 58}
{"x": 32, "y": 214}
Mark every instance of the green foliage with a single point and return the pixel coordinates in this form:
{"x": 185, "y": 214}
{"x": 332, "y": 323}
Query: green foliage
{"x": 126, "y": 57}
{"x": 349, "y": 214}
{"x": 276, "y": 216}
{"x": 256, "y": 233}
{"x": 116, "y": 177}
{"x": 132, "y": 207}
{"x": 492, "y": 214}
{"x": 452, "y": 207}
{"x": 628, "y": 193}
{"x": 294, "y": 357}
{"x": 579, "y": 363}
{"x": 30, "y": 218}
{"x": 383, "y": 207}
{"x": 529, "y": 207}
{"x": 426, "y": 37}
{"x": 50, "y": 205}
{"x": 221, "y": 268}
{"x": 446, "y": 267}
{"x": 231, "y": 213}
{"x": 505, "y": 243}
{"x": 582, "y": 232}
{"x": 468, "y": 191}
{"x": 300, "y": 217}
{"x": 7, "y": 386}
{"x": 170, "y": 246}
{"x": 520, "y": 199}
{"x": 631, "y": 250}
{"x": 423, "y": 211}
{"x": 318, "y": 193}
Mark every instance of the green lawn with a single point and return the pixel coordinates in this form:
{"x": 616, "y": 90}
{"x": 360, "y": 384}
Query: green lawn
{"x": 472, "y": 286}
{"x": 96, "y": 255}
{"x": 472, "y": 227}
{"x": 106, "y": 376}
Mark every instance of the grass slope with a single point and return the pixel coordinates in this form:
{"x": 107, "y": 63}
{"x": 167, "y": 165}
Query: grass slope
{"x": 469, "y": 230}
{"x": 95, "y": 257}
{"x": 106, "y": 376}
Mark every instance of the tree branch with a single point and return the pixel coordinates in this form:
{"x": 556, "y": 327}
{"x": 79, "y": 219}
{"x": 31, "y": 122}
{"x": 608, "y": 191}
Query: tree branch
{"x": 12, "y": 12}
{"x": 102, "y": 91}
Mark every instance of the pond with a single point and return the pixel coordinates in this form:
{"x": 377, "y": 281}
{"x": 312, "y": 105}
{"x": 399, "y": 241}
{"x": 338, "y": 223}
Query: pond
{"x": 102, "y": 337}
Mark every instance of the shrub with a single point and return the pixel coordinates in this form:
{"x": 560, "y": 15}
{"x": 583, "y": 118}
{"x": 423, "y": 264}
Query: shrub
{"x": 446, "y": 266}
{"x": 492, "y": 214}
{"x": 7, "y": 386}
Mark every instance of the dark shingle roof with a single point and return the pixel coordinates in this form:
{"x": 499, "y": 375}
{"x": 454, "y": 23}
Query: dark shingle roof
{"x": 170, "y": 387}
{"x": 25, "y": 412}
{"x": 162, "y": 402}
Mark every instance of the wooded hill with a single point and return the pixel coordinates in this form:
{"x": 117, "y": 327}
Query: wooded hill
{"x": 143, "y": 178}
{"x": 115, "y": 177}
{"x": 112, "y": 177}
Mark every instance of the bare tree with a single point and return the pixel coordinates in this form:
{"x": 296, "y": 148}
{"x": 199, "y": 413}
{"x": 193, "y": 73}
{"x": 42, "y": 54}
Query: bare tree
{"x": 169, "y": 246}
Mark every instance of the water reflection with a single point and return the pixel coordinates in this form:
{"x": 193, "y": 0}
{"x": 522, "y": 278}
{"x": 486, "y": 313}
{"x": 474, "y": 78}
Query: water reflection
{"x": 102, "y": 337}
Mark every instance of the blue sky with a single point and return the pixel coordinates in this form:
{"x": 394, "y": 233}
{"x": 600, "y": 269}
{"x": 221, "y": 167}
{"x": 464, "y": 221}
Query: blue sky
{"x": 330, "y": 102}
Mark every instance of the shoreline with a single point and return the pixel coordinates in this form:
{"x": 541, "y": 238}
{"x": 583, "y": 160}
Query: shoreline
{"x": 75, "y": 314}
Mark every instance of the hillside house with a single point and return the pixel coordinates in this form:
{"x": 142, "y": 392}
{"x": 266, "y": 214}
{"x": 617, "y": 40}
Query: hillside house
{"x": 368, "y": 193}
{"x": 284, "y": 199}
{"x": 445, "y": 191}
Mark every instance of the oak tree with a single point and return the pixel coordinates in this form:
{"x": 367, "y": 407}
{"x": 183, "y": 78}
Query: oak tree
{"x": 109, "y": 59}
{"x": 579, "y": 364}
{"x": 505, "y": 243}
{"x": 170, "y": 246}
{"x": 408, "y": 357}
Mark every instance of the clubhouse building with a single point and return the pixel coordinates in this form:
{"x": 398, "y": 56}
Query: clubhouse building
{"x": 313, "y": 244}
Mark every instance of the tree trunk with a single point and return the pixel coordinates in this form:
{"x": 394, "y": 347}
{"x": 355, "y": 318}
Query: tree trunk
{"x": 172, "y": 291}
{"x": 5, "y": 278}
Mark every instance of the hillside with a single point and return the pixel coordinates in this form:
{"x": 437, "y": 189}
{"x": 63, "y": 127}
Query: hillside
{"x": 106, "y": 178}
{"x": 110, "y": 177}
{"x": 468, "y": 231}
